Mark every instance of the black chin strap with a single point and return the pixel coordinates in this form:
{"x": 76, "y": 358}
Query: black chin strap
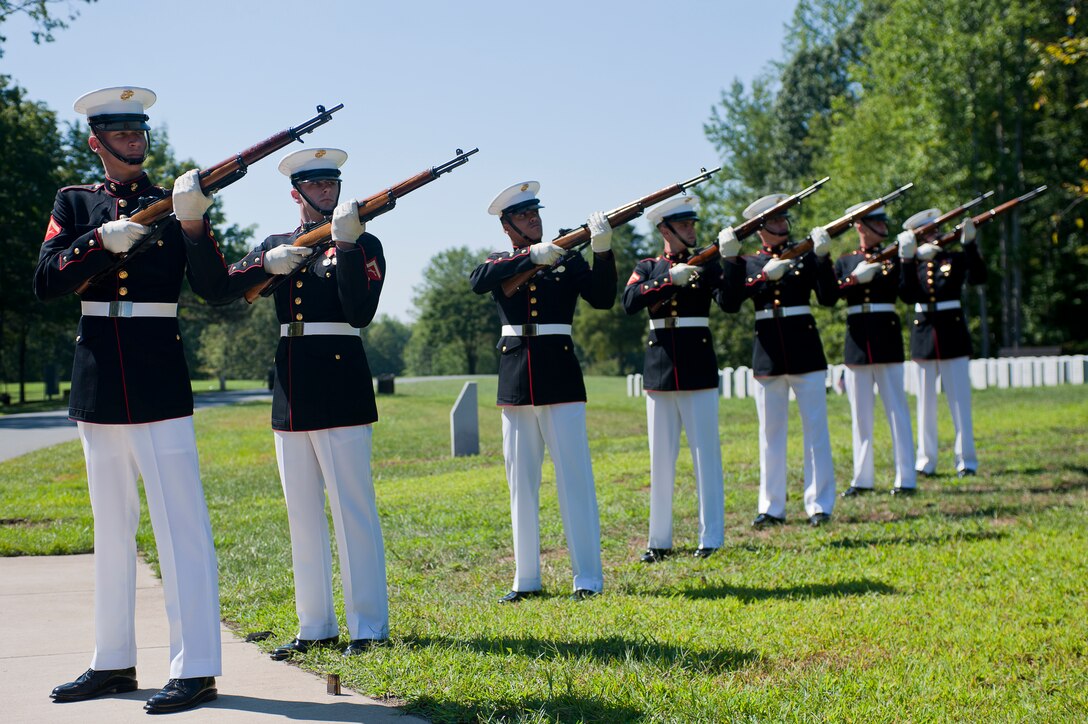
{"x": 125, "y": 159}
{"x": 510, "y": 220}
{"x": 322, "y": 211}
{"x": 678, "y": 237}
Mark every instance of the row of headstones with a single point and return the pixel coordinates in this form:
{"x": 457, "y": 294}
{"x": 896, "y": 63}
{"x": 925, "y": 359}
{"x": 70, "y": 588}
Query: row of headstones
{"x": 1003, "y": 373}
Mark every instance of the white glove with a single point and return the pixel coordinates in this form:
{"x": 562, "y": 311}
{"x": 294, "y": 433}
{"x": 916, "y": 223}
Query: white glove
{"x": 600, "y": 233}
{"x": 190, "y": 203}
{"x": 821, "y": 241}
{"x": 119, "y": 236}
{"x": 928, "y": 251}
{"x": 346, "y": 225}
{"x": 683, "y": 274}
{"x": 775, "y": 269}
{"x": 545, "y": 253}
{"x": 908, "y": 244}
{"x": 285, "y": 258}
{"x": 865, "y": 271}
{"x": 728, "y": 244}
{"x": 969, "y": 232}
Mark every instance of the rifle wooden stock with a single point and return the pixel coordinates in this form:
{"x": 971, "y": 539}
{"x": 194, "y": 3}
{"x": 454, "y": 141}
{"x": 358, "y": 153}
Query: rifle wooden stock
{"x": 988, "y": 216}
{"x": 755, "y": 223}
{"x": 219, "y": 176}
{"x": 370, "y": 207}
{"x": 841, "y": 224}
{"x": 893, "y": 250}
{"x": 616, "y": 217}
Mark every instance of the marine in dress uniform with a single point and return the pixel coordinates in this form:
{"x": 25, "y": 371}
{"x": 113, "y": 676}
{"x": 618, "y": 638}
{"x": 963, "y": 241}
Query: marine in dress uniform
{"x": 939, "y": 341}
{"x": 680, "y": 375}
{"x": 541, "y": 391}
{"x": 132, "y": 399}
{"x": 323, "y": 408}
{"x": 787, "y": 354}
{"x": 873, "y": 351}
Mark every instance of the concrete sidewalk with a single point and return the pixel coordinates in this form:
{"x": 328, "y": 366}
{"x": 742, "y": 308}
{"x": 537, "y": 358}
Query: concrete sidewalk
{"x": 47, "y": 605}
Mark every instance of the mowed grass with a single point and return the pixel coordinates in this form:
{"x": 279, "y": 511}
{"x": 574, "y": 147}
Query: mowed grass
{"x": 965, "y": 603}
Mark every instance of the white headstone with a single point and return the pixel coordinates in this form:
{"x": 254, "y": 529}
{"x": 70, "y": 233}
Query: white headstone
{"x": 976, "y": 369}
{"x": 1051, "y": 373}
{"x": 1004, "y": 373}
{"x": 740, "y": 382}
{"x": 727, "y": 382}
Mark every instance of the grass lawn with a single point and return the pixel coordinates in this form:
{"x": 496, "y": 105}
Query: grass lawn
{"x": 968, "y": 602}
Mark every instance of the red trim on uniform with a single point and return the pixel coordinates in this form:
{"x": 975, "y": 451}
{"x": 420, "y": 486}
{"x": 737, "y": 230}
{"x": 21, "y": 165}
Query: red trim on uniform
{"x": 936, "y": 343}
{"x": 53, "y": 229}
{"x": 675, "y": 363}
{"x": 121, "y": 364}
{"x": 372, "y": 270}
{"x": 529, "y": 362}
{"x": 635, "y": 278}
{"x": 869, "y": 351}
{"x": 512, "y": 257}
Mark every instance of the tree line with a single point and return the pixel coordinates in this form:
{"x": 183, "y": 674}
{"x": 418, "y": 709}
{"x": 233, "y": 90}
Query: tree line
{"x": 959, "y": 97}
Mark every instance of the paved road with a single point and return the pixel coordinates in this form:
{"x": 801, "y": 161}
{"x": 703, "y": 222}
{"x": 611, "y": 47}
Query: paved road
{"x": 23, "y": 433}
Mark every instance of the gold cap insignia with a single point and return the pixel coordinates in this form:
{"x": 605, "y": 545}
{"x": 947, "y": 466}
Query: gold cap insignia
{"x": 126, "y": 94}
{"x": 320, "y": 153}
{"x": 525, "y": 187}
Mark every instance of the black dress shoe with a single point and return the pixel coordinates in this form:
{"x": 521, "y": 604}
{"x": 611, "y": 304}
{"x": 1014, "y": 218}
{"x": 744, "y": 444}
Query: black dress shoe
{"x": 818, "y": 519}
{"x": 904, "y": 491}
{"x": 966, "y": 472}
{"x": 655, "y": 555}
{"x": 924, "y": 474}
{"x": 701, "y": 552}
{"x": 182, "y": 694}
{"x": 358, "y": 646}
{"x": 515, "y": 596}
{"x": 763, "y": 520}
{"x": 854, "y": 490}
{"x": 300, "y": 646}
{"x": 96, "y": 683}
{"x": 583, "y": 593}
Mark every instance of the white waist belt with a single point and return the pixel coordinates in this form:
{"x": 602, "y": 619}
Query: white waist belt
{"x": 306, "y": 329}
{"x": 129, "y": 309}
{"x": 867, "y": 308}
{"x": 675, "y": 322}
{"x": 534, "y": 330}
{"x": 781, "y": 312}
{"x": 937, "y": 306}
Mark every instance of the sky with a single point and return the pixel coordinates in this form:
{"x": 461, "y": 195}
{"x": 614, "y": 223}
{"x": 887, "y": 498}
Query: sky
{"x": 601, "y": 101}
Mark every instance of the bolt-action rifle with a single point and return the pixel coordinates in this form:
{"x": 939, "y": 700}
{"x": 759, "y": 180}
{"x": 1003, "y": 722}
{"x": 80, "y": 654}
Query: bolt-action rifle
{"x": 320, "y": 236}
{"x": 157, "y": 214}
{"x": 576, "y": 239}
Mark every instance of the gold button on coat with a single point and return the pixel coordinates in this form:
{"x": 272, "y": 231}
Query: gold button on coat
{"x": 123, "y": 291}
{"x": 123, "y": 274}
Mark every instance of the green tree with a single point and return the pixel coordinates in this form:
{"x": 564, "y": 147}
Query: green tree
{"x": 456, "y": 330}
{"x": 29, "y": 148}
{"x": 45, "y": 22}
{"x": 386, "y": 339}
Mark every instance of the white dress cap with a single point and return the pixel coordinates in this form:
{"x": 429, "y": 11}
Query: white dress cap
{"x": 678, "y": 207}
{"x": 922, "y": 217}
{"x": 758, "y": 206}
{"x": 119, "y": 100}
{"x": 877, "y": 213}
{"x": 521, "y": 195}
{"x": 312, "y": 159}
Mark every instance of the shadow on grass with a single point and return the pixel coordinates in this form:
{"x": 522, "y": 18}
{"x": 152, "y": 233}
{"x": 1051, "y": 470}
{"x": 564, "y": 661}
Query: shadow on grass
{"x": 748, "y": 594}
{"x": 610, "y": 649}
{"x": 558, "y": 708}
{"x": 911, "y": 540}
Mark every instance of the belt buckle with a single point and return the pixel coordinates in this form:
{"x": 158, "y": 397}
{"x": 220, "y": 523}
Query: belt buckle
{"x": 120, "y": 309}
{"x": 671, "y": 323}
{"x": 528, "y": 330}
{"x": 777, "y": 312}
{"x": 866, "y": 307}
{"x": 295, "y": 329}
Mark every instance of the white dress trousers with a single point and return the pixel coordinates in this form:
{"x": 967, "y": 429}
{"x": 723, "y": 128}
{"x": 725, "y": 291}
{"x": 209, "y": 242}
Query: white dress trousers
{"x": 888, "y": 379}
{"x": 772, "y": 404}
{"x": 956, "y": 383}
{"x": 336, "y": 461}
{"x": 696, "y": 411}
{"x": 526, "y": 430}
{"x": 164, "y": 455}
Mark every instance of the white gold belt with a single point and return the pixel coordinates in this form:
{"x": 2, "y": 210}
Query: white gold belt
{"x": 534, "y": 330}
{"x": 674, "y": 322}
{"x": 867, "y": 308}
{"x": 129, "y": 309}
{"x": 306, "y": 329}
{"x": 937, "y": 306}
{"x": 781, "y": 312}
